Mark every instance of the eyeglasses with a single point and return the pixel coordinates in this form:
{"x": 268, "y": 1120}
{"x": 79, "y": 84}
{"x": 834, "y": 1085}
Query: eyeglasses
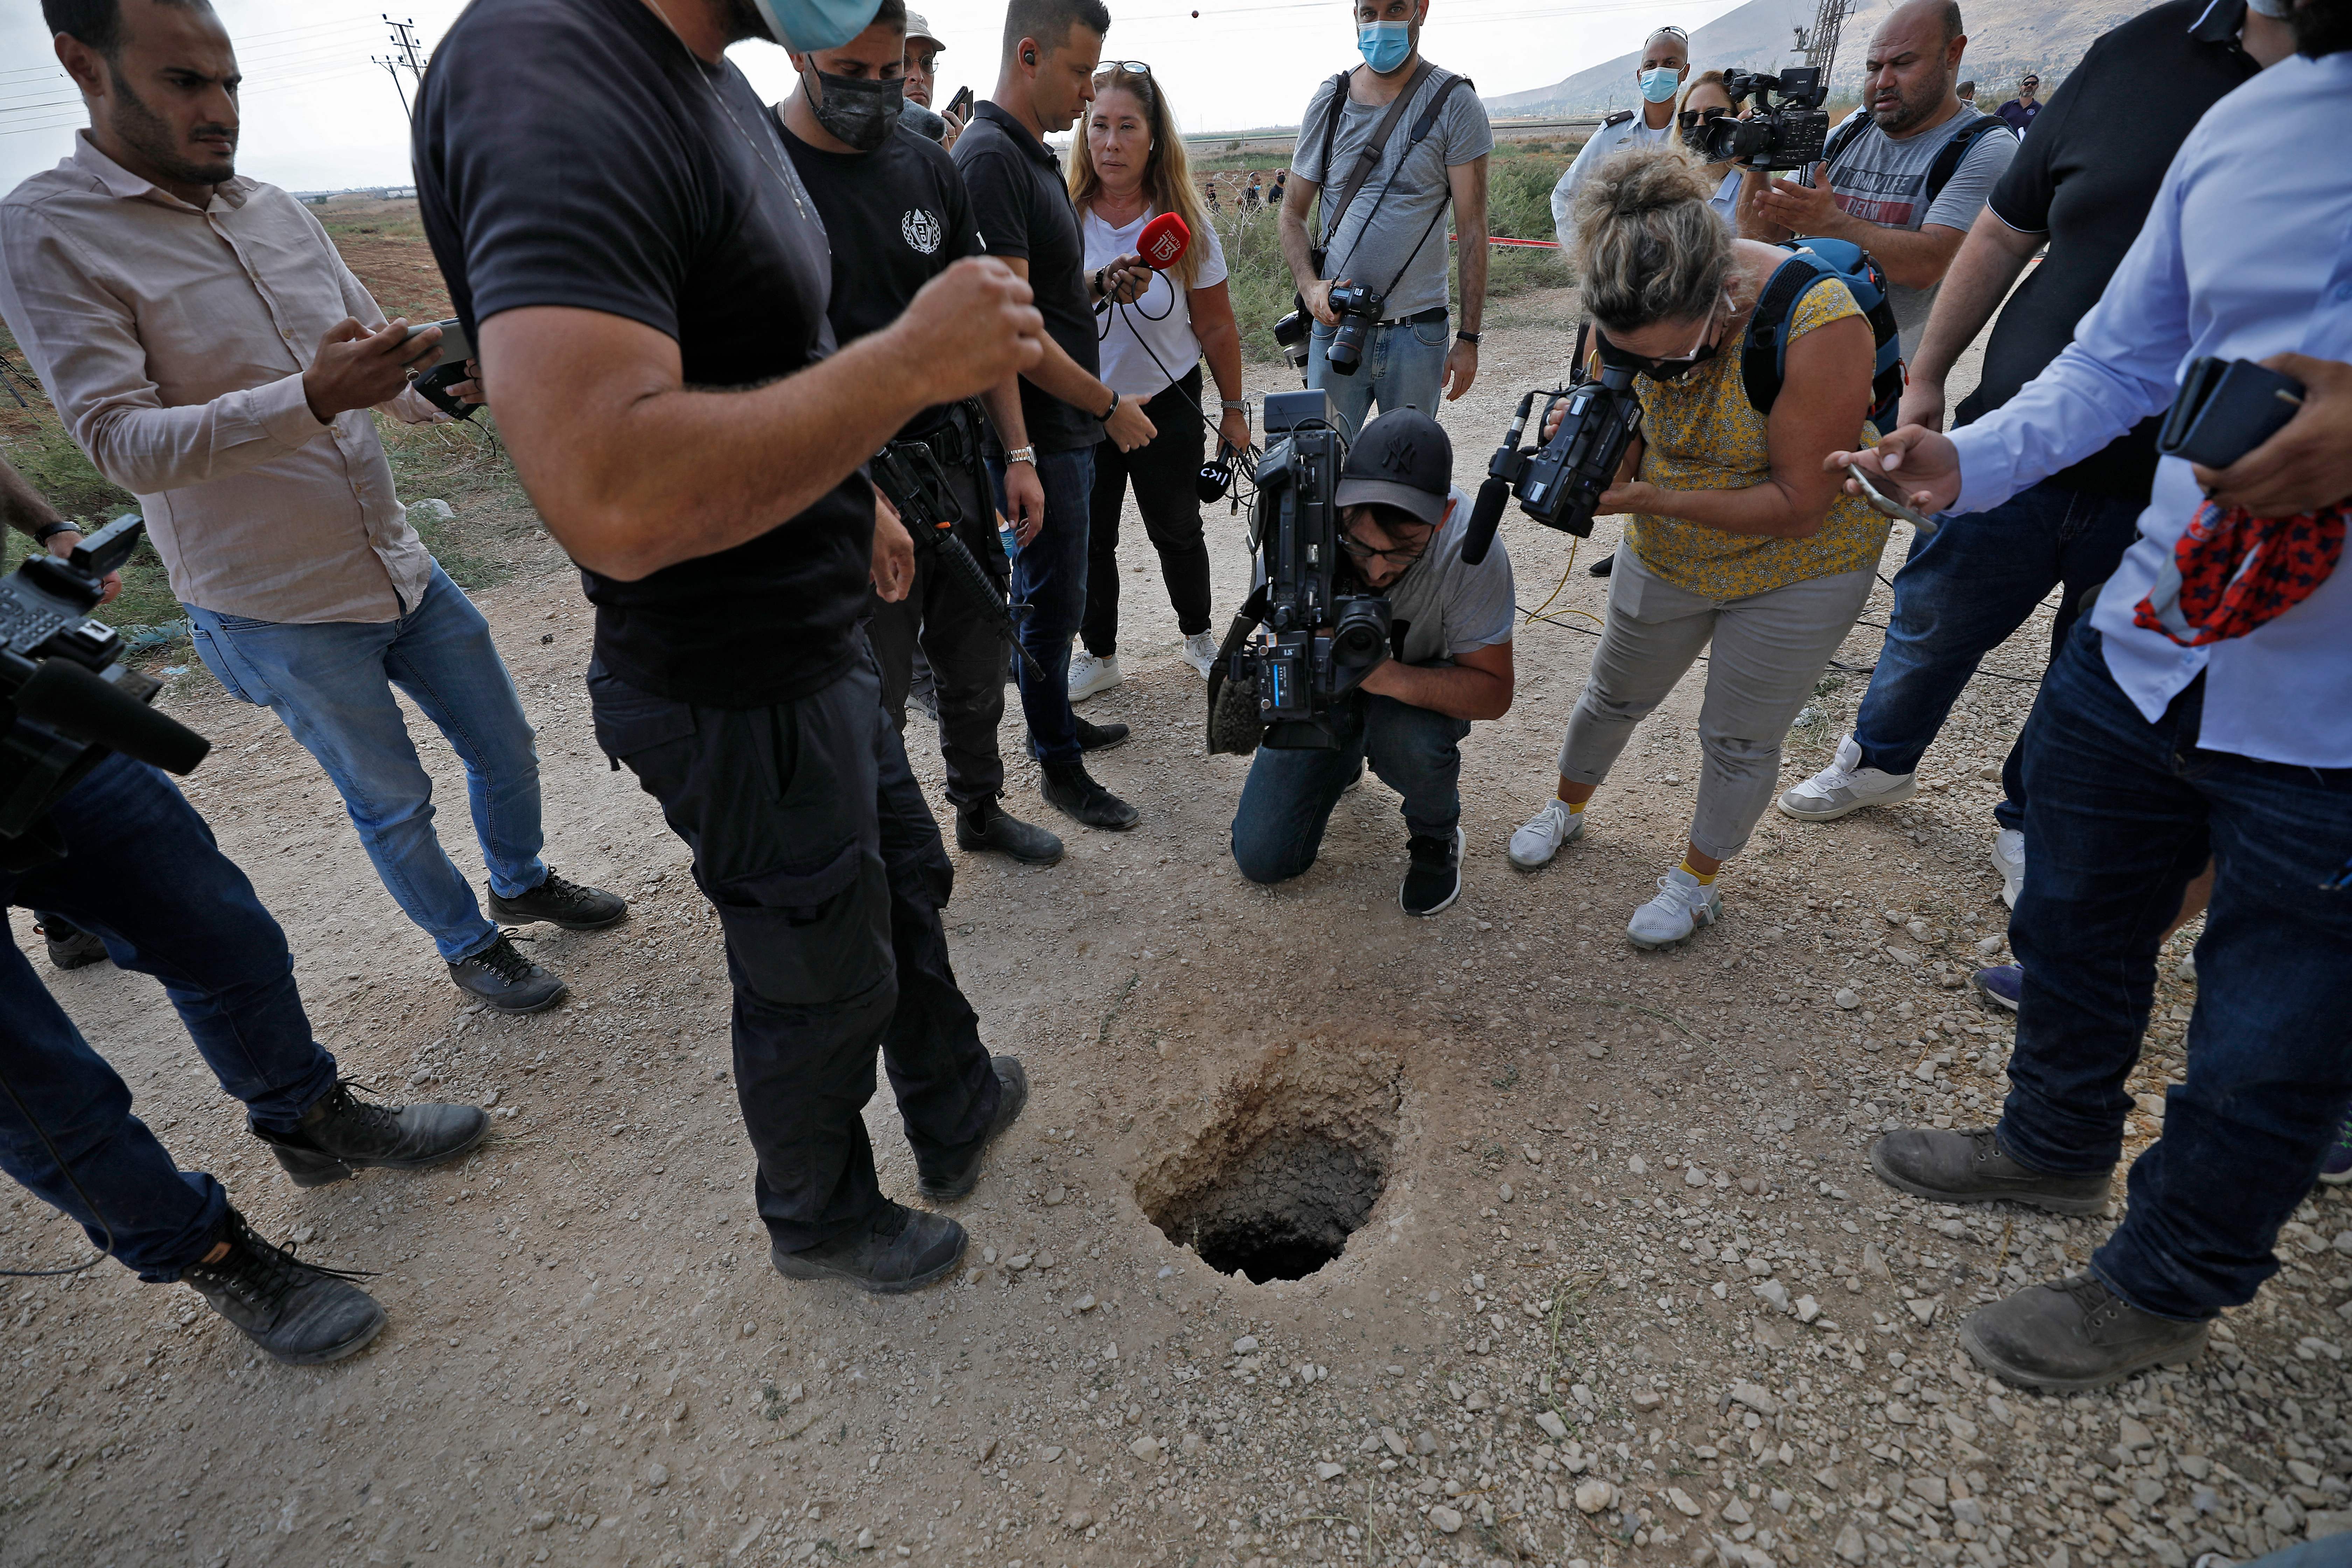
{"x": 1668, "y": 369}
{"x": 1132, "y": 67}
{"x": 1404, "y": 556}
{"x": 1671, "y": 31}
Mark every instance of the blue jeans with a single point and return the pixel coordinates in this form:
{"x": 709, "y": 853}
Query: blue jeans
{"x": 1961, "y": 591}
{"x": 141, "y": 870}
{"x": 331, "y": 684}
{"x": 2121, "y": 814}
{"x": 1404, "y": 367}
{"x": 1049, "y": 597}
{"x": 1288, "y": 798}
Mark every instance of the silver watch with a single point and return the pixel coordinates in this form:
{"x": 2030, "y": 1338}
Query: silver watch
{"x": 1022, "y": 455}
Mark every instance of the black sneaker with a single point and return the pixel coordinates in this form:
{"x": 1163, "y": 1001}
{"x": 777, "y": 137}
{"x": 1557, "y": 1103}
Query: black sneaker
{"x": 2064, "y": 1336}
{"x": 560, "y": 903}
{"x": 1099, "y": 737}
{"x": 505, "y": 979}
{"x": 1601, "y": 567}
{"x": 1967, "y": 1166}
{"x": 301, "y": 1313}
{"x": 957, "y": 1180}
{"x": 1071, "y": 790}
{"x": 901, "y": 1249}
{"x": 343, "y": 1133}
{"x": 1435, "y": 880}
{"x": 70, "y": 947}
{"x": 984, "y": 824}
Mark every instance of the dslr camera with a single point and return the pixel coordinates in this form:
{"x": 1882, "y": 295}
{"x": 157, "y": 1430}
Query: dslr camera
{"x": 1787, "y": 131}
{"x": 1559, "y": 484}
{"x": 1358, "y": 310}
{"x": 1309, "y": 632}
{"x": 66, "y": 698}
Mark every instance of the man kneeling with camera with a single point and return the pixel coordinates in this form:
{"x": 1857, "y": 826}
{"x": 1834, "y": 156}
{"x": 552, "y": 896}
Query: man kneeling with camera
{"x": 1399, "y": 530}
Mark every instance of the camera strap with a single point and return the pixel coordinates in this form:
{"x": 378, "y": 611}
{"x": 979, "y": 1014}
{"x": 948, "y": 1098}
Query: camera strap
{"x": 1375, "y": 146}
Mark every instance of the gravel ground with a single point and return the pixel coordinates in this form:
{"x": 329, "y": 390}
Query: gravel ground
{"x": 1620, "y": 1287}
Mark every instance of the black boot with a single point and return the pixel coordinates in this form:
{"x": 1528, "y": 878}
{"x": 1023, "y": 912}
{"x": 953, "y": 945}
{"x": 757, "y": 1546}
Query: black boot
{"x": 1968, "y": 1165}
{"x": 301, "y": 1313}
{"x": 70, "y": 947}
{"x": 2066, "y": 1335}
{"x": 505, "y": 979}
{"x": 343, "y": 1133}
{"x": 901, "y": 1249}
{"x": 984, "y": 824}
{"x": 1099, "y": 737}
{"x": 1071, "y": 790}
{"x": 956, "y": 1179}
{"x": 560, "y": 901}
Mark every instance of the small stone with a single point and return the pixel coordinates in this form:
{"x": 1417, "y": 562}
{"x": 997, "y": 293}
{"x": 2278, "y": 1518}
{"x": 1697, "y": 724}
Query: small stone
{"x": 1085, "y": 1303}
{"x": 1960, "y": 1426}
{"x": 1049, "y": 1453}
{"x": 1682, "y": 1501}
{"x": 1924, "y": 1308}
{"x": 1874, "y": 1262}
{"x": 1596, "y": 1052}
{"x": 1477, "y": 1400}
{"x": 1927, "y": 1488}
{"x": 1638, "y": 1166}
{"x": 1145, "y": 1448}
{"x": 1554, "y": 1427}
{"x": 1245, "y": 1345}
{"x": 1775, "y": 1293}
{"x": 657, "y": 1474}
{"x": 1807, "y": 1309}
{"x": 1693, "y": 1177}
{"x": 1592, "y": 1496}
{"x": 1846, "y": 1000}
{"x": 2135, "y": 1434}
{"x": 1079, "y": 1520}
{"x": 542, "y": 1520}
{"x": 988, "y": 1254}
{"x": 1968, "y": 1511}
{"x": 1782, "y": 1501}
{"x": 1447, "y": 1519}
{"x": 1327, "y": 1471}
{"x": 1056, "y": 1195}
{"x": 1988, "y": 946}
{"x": 1648, "y": 1399}
{"x": 1737, "y": 1511}
{"x": 1017, "y": 1262}
{"x": 1507, "y": 1192}
{"x": 865, "y": 1540}
{"x": 1755, "y": 1396}
{"x": 1849, "y": 1544}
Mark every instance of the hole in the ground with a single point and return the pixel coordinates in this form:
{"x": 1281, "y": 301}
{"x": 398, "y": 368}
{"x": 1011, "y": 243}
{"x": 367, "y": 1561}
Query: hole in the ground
{"x": 1290, "y": 1168}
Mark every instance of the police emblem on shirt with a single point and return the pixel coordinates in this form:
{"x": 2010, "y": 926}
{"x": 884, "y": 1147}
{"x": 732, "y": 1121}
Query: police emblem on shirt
{"x": 920, "y": 230}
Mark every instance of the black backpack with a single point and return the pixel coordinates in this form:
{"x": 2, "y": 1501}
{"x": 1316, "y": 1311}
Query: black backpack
{"x": 1948, "y": 158}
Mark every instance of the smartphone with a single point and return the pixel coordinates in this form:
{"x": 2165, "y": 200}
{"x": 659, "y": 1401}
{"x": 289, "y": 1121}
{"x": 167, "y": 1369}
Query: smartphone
{"x": 2226, "y": 408}
{"x": 455, "y": 348}
{"x": 1874, "y": 490}
{"x": 960, "y": 104}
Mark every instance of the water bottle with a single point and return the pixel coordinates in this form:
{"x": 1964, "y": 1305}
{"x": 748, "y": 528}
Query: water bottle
{"x": 1005, "y": 536}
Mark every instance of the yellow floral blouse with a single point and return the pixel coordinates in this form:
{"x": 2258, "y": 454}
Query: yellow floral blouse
{"x": 1699, "y": 434}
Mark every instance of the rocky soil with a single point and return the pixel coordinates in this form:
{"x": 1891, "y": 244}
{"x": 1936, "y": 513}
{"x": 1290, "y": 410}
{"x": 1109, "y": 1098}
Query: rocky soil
{"x": 1616, "y": 1286}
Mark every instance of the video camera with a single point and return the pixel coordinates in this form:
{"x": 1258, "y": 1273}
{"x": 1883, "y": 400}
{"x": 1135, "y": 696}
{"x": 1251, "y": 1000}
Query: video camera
{"x": 1358, "y": 310}
{"x": 1787, "y": 129}
{"x": 1559, "y": 484}
{"x": 1309, "y": 632}
{"x": 66, "y": 699}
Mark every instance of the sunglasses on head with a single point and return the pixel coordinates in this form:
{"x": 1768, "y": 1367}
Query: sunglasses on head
{"x": 1132, "y": 67}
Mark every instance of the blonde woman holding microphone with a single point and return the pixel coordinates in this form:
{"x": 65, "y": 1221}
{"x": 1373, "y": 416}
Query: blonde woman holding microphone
{"x": 1128, "y": 168}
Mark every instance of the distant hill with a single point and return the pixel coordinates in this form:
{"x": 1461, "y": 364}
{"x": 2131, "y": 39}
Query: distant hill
{"x": 2006, "y": 39}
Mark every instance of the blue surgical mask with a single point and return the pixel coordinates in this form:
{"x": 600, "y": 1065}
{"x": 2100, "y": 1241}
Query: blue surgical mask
{"x": 805, "y": 24}
{"x": 1384, "y": 45}
{"x": 1658, "y": 85}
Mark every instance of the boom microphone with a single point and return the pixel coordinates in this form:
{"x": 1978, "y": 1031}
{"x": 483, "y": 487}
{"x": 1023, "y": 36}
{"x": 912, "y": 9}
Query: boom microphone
{"x": 1484, "y": 517}
{"x": 79, "y": 701}
{"x": 1162, "y": 244}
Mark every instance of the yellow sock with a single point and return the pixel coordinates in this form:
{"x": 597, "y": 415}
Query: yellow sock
{"x": 1576, "y": 808}
{"x": 1706, "y": 878}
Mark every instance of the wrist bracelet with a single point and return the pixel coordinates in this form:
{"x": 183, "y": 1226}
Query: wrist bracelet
{"x": 1470, "y": 338}
{"x": 1240, "y": 404}
{"x": 49, "y": 531}
{"x": 1104, "y": 417}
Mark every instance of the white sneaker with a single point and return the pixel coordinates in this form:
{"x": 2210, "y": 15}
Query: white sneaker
{"x": 1541, "y": 836}
{"x": 2008, "y": 859}
{"x": 1681, "y": 907}
{"x": 1201, "y": 652}
{"x": 1089, "y": 675}
{"x": 1846, "y": 786}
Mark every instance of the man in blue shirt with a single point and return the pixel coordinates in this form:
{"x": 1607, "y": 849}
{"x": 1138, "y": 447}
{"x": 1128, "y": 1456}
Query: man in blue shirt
{"x": 2019, "y": 111}
{"x": 2168, "y": 733}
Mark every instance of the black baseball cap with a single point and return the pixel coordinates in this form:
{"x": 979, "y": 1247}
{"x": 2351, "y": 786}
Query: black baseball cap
{"x": 1403, "y": 459}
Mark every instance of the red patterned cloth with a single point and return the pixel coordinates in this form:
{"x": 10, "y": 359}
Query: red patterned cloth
{"x": 2232, "y": 572}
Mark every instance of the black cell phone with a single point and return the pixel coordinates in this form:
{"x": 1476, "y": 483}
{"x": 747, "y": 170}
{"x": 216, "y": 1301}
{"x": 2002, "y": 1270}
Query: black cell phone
{"x": 960, "y": 104}
{"x": 2224, "y": 409}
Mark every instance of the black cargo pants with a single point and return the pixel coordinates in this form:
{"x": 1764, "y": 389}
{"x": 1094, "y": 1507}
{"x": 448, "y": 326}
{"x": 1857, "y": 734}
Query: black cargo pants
{"x": 812, "y": 841}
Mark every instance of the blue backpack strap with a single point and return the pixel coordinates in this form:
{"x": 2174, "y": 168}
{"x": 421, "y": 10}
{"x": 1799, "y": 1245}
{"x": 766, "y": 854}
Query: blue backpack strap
{"x": 1764, "y": 353}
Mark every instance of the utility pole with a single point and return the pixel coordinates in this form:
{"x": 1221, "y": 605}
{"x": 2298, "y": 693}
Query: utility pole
{"x": 403, "y": 41}
{"x": 392, "y": 68}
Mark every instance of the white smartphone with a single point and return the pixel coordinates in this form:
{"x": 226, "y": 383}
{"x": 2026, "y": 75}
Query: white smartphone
{"x": 1874, "y": 490}
{"x": 455, "y": 348}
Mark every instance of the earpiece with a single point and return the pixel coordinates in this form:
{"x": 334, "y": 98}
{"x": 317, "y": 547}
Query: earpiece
{"x": 1028, "y": 56}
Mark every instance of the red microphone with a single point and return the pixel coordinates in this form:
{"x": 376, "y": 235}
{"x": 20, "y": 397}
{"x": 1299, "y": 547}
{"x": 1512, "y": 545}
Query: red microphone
{"x": 1162, "y": 244}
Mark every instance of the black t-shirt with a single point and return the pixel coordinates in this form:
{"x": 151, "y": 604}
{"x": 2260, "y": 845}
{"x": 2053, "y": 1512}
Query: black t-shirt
{"x": 897, "y": 217}
{"x": 2087, "y": 177}
{"x": 1024, "y": 210}
{"x": 682, "y": 213}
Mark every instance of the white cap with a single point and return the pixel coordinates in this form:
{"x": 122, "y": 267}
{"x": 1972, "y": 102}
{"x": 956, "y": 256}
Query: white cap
{"x": 919, "y": 28}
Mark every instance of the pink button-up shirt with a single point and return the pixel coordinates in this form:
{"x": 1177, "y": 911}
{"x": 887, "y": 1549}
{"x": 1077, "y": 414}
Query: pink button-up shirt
{"x": 172, "y": 340}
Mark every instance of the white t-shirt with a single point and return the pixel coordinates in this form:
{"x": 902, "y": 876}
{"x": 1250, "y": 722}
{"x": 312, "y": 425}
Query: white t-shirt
{"x": 1127, "y": 368}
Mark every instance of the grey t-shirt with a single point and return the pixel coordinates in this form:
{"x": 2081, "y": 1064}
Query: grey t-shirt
{"x": 1447, "y": 608}
{"x": 1407, "y": 237}
{"x": 1883, "y": 181}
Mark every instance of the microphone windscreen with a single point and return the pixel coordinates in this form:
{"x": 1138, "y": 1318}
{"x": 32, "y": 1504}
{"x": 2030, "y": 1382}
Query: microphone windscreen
{"x": 1162, "y": 241}
{"x": 74, "y": 700}
{"x": 1484, "y": 517}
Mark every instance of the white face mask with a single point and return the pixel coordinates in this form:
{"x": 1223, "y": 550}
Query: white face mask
{"x": 2278, "y": 10}
{"x": 1658, "y": 83}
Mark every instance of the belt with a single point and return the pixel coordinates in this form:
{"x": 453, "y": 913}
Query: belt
{"x": 955, "y": 440}
{"x": 1435, "y": 313}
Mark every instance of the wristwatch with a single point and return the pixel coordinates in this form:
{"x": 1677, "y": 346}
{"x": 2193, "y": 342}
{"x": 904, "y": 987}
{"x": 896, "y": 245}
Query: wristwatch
{"x": 1470, "y": 338}
{"x": 1022, "y": 455}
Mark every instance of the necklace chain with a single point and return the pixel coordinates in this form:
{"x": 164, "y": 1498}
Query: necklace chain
{"x": 703, "y": 73}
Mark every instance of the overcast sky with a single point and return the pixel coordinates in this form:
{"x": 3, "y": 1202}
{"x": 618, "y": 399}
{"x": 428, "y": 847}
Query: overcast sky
{"x": 318, "y": 115}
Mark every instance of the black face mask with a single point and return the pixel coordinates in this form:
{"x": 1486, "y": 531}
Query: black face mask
{"x": 860, "y": 111}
